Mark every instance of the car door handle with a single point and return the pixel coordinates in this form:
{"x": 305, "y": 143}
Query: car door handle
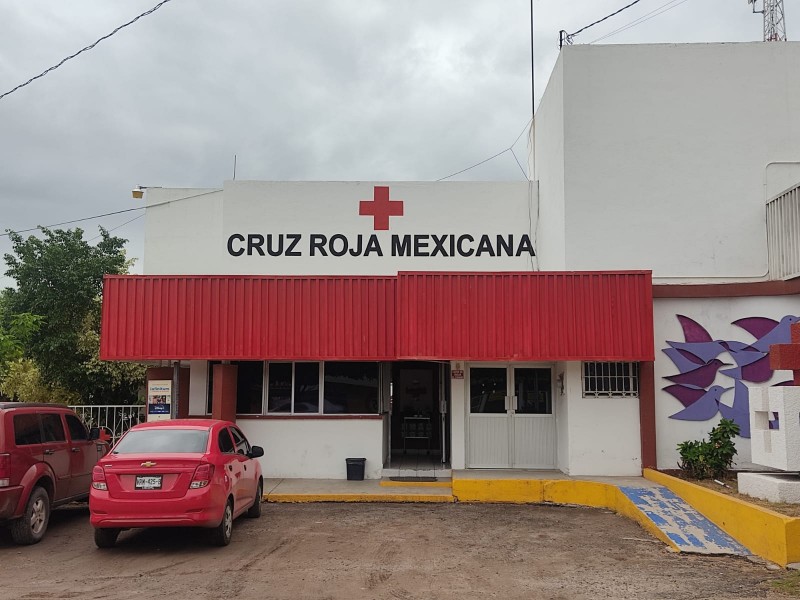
{"x": 245, "y": 467}
{"x": 76, "y": 449}
{"x": 49, "y": 452}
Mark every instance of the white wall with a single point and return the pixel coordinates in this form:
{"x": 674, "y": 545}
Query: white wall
{"x": 666, "y": 155}
{"x": 316, "y": 448}
{"x": 561, "y": 407}
{"x": 458, "y": 417}
{"x": 716, "y": 316}
{"x": 179, "y": 223}
{"x": 603, "y": 433}
{"x": 198, "y": 387}
{"x": 548, "y": 171}
{"x": 191, "y": 236}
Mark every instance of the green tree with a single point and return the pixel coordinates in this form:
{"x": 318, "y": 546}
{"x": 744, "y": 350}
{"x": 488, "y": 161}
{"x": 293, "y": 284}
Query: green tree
{"x": 60, "y": 277}
{"x": 23, "y": 382}
{"x": 15, "y": 334}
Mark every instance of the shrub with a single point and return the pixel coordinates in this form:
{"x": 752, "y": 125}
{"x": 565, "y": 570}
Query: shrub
{"x": 713, "y": 458}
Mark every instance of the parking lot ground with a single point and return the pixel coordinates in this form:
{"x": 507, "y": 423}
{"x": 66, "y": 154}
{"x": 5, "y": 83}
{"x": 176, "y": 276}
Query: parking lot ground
{"x": 392, "y": 551}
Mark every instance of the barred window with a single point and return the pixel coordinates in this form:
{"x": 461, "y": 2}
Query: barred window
{"x": 610, "y": 379}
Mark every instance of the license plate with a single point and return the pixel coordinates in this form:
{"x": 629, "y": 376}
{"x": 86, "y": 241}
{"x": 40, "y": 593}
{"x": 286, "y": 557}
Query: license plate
{"x": 148, "y": 482}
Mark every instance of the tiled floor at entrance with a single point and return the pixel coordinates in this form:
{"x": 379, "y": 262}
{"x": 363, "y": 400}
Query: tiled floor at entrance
{"x": 416, "y": 465}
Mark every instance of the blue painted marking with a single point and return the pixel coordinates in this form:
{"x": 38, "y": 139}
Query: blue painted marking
{"x": 686, "y": 527}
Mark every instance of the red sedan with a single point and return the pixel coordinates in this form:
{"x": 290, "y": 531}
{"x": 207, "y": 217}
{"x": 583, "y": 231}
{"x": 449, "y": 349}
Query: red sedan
{"x": 184, "y": 472}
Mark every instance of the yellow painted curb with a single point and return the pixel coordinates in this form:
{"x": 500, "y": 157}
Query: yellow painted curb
{"x": 558, "y": 491}
{"x": 764, "y": 532}
{"x": 296, "y": 498}
{"x": 389, "y": 483}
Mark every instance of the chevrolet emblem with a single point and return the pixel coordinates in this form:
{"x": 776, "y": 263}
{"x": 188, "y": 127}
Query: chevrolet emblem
{"x": 148, "y": 463}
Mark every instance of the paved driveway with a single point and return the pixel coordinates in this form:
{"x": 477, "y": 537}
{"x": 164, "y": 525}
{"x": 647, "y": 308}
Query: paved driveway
{"x": 394, "y": 551}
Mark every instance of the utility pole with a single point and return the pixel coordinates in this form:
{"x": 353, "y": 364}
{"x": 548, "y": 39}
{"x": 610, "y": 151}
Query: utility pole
{"x": 774, "y": 19}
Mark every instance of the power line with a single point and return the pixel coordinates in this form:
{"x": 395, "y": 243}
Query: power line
{"x": 116, "y": 212}
{"x": 645, "y": 17}
{"x": 97, "y": 237}
{"x": 509, "y": 149}
{"x": 89, "y": 47}
{"x": 565, "y": 37}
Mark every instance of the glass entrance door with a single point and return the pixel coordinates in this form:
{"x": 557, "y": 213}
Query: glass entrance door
{"x": 511, "y": 421}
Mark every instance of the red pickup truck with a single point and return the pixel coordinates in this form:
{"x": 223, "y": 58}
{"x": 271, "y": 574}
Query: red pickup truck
{"x": 46, "y": 459}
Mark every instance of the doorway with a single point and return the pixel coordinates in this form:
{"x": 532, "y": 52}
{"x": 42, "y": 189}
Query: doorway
{"x": 511, "y": 422}
{"x": 419, "y": 431}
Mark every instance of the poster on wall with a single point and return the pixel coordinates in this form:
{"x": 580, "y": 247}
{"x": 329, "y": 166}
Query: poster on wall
{"x": 159, "y": 399}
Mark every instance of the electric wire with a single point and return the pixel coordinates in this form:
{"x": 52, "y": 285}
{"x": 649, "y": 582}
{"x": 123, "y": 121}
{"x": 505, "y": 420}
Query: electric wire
{"x": 509, "y": 149}
{"x": 127, "y": 210}
{"x": 645, "y": 17}
{"x": 116, "y": 212}
{"x": 570, "y": 36}
{"x": 85, "y": 49}
{"x": 97, "y": 237}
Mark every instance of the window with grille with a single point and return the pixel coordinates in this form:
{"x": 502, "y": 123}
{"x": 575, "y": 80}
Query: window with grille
{"x": 610, "y": 379}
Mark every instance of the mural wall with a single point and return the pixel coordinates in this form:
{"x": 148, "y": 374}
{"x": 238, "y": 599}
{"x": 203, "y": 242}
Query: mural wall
{"x": 711, "y": 351}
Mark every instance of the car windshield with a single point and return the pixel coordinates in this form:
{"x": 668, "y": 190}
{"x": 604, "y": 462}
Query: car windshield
{"x": 148, "y": 441}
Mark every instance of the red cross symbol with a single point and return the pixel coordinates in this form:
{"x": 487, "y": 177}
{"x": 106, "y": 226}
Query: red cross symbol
{"x": 381, "y": 208}
{"x": 787, "y": 356}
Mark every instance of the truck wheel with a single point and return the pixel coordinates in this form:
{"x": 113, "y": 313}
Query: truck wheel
{"x": 255, "y": 510}
{"x": 221, "y": 534}
{"x": 106, "y": 538}
{"x": 30, "y": 528}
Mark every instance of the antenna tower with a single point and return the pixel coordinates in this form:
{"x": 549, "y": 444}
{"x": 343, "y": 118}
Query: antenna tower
{"x": 774, "y": 21}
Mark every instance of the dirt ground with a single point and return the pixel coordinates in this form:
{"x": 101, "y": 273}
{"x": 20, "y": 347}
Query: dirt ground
{"x": 392, "y": 551}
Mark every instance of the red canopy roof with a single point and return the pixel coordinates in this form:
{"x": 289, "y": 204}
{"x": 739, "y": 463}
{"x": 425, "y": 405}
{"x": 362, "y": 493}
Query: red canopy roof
{"x": 527, "y": 316}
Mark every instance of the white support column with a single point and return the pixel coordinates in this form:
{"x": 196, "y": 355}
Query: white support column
{"x": 458, "y": 417}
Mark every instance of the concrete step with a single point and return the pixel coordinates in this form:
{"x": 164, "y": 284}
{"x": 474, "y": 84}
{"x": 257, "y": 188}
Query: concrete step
{"x": 689, "y": 530}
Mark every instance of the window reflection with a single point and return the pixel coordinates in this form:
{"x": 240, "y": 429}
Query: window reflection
{"x": 279, "y": 395}
{"x": 351, "y": 387}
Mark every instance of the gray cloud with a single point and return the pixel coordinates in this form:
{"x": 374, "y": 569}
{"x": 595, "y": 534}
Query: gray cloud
{"x": 335, "y": 90}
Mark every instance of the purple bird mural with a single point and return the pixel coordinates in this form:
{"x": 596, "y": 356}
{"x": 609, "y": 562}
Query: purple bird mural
{"x": 739, "y": 413}
{"x": 693, "y": 331}
{"x": 767, "y": 331}
{"x": 755, "y": 372}
{"x": 702, "y": 376}
{"x": 697, "y": 359}
{"x": 705, "y": 351}
{"x": 704, "y": 408}
{"x": 683, "y": 360}
{"x": 686, "y": 395}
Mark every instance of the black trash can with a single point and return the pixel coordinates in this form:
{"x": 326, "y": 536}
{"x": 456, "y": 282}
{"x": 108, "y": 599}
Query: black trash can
{"x": 355, "y": 469}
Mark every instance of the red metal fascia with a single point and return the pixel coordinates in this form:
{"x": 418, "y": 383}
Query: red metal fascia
{"x": 416, "y": 315}
{"x": 525, "y": 316}
{"x": 164, "y": 317}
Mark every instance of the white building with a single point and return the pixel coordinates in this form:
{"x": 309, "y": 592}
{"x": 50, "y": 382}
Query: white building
{"x": 588, "y": 320}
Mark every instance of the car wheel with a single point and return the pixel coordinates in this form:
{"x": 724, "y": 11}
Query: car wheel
{"x": 30, "y": 528}
{"x": 255, "y": 510}
{"x": 221, "y": 534}
{"x": 106, "y": 538}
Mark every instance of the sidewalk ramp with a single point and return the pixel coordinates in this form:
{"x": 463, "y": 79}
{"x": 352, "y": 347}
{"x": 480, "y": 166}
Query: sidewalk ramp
{"x": 683, "y": 525}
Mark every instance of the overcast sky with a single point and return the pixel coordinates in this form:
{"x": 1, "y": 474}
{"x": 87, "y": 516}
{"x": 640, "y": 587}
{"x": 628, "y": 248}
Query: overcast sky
{"x": 299, "y": 90}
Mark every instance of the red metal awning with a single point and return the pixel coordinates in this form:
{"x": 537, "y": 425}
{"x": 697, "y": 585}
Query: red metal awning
{"x": 539, "y": 316}
{"x": 466, "y": 316}
{"x": 154, "y": 317}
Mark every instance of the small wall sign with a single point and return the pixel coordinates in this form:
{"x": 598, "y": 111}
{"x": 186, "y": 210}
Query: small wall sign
{"x": 159, "y": 399}
{"x": 457, "y": 374}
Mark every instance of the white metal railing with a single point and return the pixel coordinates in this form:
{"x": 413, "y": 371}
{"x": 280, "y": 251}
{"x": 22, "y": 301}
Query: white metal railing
{"x": 115, "y": 418}
{"x": 783, "y": 234}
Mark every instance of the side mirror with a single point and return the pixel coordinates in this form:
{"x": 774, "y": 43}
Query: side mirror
{"x": 94, "y": 434}
{"x": 256, "y": 452}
